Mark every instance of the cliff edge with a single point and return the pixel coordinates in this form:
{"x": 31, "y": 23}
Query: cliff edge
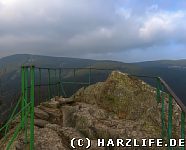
{"x": 121, "y": 107}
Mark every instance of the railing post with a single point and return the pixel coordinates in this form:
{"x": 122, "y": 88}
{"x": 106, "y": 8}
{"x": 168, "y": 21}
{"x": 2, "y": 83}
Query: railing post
{"x": 60, "y": 88}
{"x": 74, "y": 72}
{"x": 56, "y": 83}
{"x": 74, "y": 88}
{"x": 22, "y": 95}
{"x": 89, "y": 75}
{"x": 39, "y": 85}
{"x": 183, "y": 127}
{"x": 49, "y": 89}
{"x": 61, "y": 83}
{"x": 162, "y": 111}
{"x": 32, "y": 108}
{"x": 170, "y": 121}
{"x": 26, "y": 101}
{"x": 158, "y": 90}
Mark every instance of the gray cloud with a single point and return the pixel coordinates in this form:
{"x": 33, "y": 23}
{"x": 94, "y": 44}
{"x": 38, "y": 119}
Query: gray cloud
{"x": 93, "y": 29}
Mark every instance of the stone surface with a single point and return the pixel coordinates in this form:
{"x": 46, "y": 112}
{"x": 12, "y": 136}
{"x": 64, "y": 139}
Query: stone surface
{"x": 53, "y": 104}
{"x": 121, "y": 107}
{"x": 40, "y": 123}
{"x": 40, "y": 114}
{"x": 48, "y": 139}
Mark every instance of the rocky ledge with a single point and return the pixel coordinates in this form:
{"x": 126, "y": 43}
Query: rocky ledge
{"x": 122, "y": 107}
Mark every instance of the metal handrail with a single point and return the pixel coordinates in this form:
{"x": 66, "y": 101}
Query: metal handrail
{"x": 176, "y": 98}
{"x": 171, "y": 92}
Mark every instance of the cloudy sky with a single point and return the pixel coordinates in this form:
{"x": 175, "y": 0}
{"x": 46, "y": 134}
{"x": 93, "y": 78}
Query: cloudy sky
{"x": 124, "y": 30}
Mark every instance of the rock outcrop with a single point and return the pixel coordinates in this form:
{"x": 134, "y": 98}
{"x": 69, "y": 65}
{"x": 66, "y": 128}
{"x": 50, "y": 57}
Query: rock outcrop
{"x": 121, "y": 107}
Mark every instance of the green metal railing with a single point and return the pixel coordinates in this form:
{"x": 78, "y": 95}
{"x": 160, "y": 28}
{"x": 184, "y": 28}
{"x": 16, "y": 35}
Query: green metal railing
{"x": 172, "y": 96}
{"x": 162, "y": 89}
{"x": 25, "y": 105}
{"x": 34, "y": 85}
{"x": 26, "y": 112}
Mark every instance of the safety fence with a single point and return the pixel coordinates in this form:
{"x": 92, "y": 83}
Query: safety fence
{"x": 164, "y": 92}
{"x": 40, "y": 84}
{"x": 161, "y": 85}
{"x": 23, "y": 111}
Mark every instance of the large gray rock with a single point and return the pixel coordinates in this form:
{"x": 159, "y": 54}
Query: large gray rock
{"x": 40, "y": 123}
{"x": 40, "y": 114}
{"x": 53, "y": 104}
{"x": 55, "y": 114}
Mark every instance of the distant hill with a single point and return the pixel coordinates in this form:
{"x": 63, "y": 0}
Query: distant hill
{"x": 163, "y": 63}
{"x": 172, "y": 71}
{"x": 10, "y": 72}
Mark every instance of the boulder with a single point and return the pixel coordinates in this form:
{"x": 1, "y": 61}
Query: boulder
{"x": 40, "y": 114}
{"x": 40, "y": 123}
